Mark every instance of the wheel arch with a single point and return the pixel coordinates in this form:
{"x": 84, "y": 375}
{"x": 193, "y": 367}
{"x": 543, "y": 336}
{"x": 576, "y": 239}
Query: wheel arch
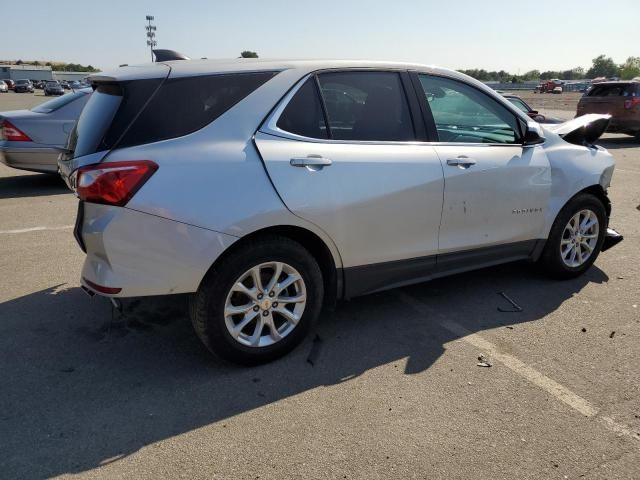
{"x": 600, "y": 193}
{"x": 597, "y": 191}
{"x": 314, "y": 244}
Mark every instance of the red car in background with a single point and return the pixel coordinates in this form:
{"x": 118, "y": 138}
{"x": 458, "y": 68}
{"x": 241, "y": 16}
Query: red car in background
{"x": 10, "y": 83}
{"x": 619, "y": 99}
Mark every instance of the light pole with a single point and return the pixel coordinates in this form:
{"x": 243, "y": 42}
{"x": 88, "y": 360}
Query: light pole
{"x": 151, "y": 35}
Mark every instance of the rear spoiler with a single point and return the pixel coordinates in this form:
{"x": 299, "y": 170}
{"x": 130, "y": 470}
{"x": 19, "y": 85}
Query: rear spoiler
{"x": 163, "y": 55}
{"x": 583, "y": 130}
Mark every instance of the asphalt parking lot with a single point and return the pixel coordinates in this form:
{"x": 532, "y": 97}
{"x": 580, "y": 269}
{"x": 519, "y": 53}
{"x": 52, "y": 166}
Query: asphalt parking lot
{"x": 388, "y": 388}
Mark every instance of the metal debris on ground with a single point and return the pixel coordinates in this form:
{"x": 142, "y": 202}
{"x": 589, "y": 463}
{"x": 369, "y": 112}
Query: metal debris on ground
{"x": 483, "y": 361}
{"x": 516, "y": 307}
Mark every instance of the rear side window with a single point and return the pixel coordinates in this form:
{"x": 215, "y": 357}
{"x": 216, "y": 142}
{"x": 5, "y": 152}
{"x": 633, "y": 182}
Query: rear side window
{"x": 184, "y": 105}
{"x": 618, "y": 90}
{"x": 143, "y": 111}
{"x": 303, "y": 115}
{"x": 366, "y": 106}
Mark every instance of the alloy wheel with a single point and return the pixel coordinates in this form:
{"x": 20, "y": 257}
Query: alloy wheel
{"x": 265, "y": 304}
{"x": 579, "y": 238}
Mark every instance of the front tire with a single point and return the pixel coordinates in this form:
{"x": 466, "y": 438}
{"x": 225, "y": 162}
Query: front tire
{"x": 259, "y": 302}
{"x": 576, "y": 237}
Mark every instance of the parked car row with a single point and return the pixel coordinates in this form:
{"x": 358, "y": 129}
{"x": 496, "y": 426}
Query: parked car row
{"x": 9, "y": 83}
{"x": 18, "y": 86}
{"x": 26, "y": 85}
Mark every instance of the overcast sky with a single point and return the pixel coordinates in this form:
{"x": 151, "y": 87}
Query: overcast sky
{"x": 492, "y": 34}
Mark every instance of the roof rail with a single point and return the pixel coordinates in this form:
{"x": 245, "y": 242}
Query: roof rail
{"x": 163, "y": 55}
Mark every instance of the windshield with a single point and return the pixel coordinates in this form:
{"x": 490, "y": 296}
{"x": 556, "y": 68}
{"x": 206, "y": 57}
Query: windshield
{"x": 22, "y": 82}
{"x": 56, "y": 103}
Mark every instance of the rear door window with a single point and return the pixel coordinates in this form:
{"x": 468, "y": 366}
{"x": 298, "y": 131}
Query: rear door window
{"x": 303, "y": 115}
{"x": 366, "y": 106}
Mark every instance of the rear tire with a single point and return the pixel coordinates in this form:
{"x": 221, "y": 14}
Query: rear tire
{"x": 248, "y": 321}
{"x": 576, "y": 237}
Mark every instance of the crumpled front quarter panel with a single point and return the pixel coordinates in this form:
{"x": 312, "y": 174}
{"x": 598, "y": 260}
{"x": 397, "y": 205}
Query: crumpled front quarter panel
{"x": 574, "y": 168}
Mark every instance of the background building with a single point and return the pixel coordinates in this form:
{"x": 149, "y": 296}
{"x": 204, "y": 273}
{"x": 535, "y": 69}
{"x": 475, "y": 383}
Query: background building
{"x": 34, "y": 72}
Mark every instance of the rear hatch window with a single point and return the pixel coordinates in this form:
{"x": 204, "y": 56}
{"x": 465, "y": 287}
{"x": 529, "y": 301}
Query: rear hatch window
{"x": 614, "y": 90}
{"x": 136, "y": 112}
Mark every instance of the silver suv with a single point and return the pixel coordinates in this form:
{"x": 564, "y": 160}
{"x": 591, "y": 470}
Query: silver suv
{"x": 270, "y": 189}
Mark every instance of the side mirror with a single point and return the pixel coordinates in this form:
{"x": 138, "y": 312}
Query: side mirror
{"x": 533, "y": 134}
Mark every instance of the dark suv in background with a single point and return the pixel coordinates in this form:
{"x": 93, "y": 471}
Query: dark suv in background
{"x": 23, "y": 85}
{"x": 621, "y": 100}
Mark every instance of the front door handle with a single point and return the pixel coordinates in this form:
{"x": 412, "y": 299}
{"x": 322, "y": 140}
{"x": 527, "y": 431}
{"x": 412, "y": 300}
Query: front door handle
{"x": 462, "y": 161}
{"x": 312, "y": 162}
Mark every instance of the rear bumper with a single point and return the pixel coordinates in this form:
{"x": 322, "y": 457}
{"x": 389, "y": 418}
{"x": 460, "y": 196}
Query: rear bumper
{"x": 143, "y": 254}
{"x": 611, "y": 239}
{"x": 35, "y": 159}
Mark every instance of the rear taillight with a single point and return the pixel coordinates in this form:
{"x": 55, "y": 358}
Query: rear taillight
{"x": 632, "y": 103}
{"x": 101, "y": 288}
{"x": 112, "y": 183}
{"x": 12, "y": 133}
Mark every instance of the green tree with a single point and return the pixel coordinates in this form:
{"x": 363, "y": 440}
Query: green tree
{"x": 603, "y": 66}
{"x": 630, "y": 69}
{"x": 531, "y": 75}
{"x": 248, "y": 54}
{"x": 19, "y": 62}
{"x": 549, "y": 74}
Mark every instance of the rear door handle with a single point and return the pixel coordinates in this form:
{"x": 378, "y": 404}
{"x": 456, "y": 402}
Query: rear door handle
{"x": 461, "y": 161}
{"x": 313, "y": 162}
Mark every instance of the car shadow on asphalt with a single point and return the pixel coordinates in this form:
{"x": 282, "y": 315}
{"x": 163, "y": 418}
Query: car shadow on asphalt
{"x": 42, "y": 184}
{"x": 83, "y": 386}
